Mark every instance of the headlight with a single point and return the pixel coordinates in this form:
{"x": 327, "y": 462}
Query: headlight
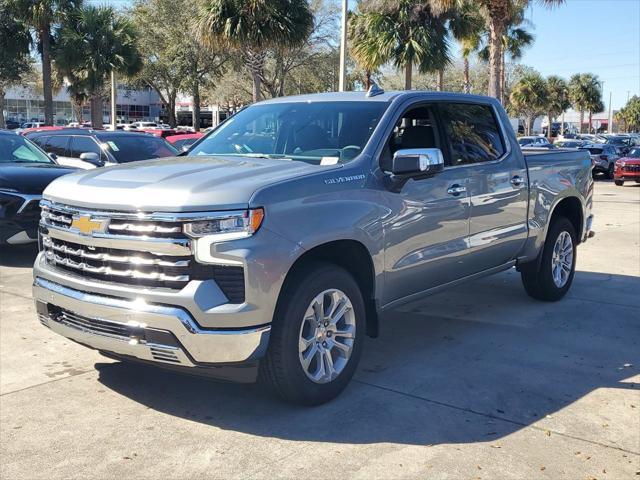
{"x": 233, "y": 226}
{"x": 620, "y": 163}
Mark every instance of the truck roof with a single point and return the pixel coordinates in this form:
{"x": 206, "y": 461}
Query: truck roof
{"x": 383, "y": 97}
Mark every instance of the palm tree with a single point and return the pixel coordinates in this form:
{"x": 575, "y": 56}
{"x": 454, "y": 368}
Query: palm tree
{"x": 41, "y": 16}
{"x": 103, "y": 42}
{"x": 252, "y": 27}
{"x": 557, "y": 99}
{"x": 466, "y": 26}
{"x": 498, "y": 14}
{"x": 529, "y": 98}
{"x": 585, "y": 95}
{"x": 405, "y": 33}
{"x": 514, "y": 41}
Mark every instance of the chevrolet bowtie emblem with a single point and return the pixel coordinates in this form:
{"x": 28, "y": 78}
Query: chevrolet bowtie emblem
{"x": 86, "y": 226}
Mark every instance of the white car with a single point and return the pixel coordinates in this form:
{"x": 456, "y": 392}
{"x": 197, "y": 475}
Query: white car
{"x": 144, "y": 125}
{"x": 533, "y": 141}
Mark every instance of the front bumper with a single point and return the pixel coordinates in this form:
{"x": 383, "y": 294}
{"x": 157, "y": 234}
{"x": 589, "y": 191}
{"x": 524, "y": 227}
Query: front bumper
{"x": 135, "y": 328}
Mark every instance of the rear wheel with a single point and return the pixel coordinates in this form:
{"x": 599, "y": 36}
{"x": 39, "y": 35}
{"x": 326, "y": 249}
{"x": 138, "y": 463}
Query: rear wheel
{"x": 316, "y": 337}
{"x": 620, "y": 182}
{"x": 550, "y": 278}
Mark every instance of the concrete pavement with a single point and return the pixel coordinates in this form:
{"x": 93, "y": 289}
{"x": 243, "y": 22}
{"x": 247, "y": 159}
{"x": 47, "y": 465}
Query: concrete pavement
{"x": 478, "y": 382}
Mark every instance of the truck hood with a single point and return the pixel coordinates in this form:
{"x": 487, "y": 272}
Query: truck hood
{"x": 176, "y": 184}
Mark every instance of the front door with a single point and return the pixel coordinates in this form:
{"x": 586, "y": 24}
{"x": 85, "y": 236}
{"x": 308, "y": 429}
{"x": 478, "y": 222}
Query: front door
{"x": 427, "y": 227}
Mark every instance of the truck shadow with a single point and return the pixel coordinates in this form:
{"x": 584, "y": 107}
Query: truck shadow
{"x": 19, "y": 256}
{"x": 471, "y": 365}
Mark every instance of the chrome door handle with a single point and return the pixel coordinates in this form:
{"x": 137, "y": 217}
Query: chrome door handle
{"x": 456, "y": 190}
{"x": 517, "y": 180}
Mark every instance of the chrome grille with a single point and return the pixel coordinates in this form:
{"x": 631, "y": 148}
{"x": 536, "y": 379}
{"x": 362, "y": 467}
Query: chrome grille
{"x": 122, "y": 266}
{"x": 631, "y": 168}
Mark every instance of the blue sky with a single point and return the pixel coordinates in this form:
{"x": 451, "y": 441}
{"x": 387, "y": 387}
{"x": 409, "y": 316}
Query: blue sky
{"x": 580, "y": 36}
{"x": 597, "y": 36}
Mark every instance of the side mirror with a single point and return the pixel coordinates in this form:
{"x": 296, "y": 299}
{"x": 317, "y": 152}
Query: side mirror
{"x": 53, "y": 156}
{"x": 92, "y": 158}
{"x": 414, "y": 163}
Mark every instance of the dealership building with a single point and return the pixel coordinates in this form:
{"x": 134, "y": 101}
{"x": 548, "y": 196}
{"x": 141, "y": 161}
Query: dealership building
{"x": 22, "y": 104}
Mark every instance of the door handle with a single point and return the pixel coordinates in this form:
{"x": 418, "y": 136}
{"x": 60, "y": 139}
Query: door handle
{"x": 517, "y": 180}
{"x": 456, "y": 190}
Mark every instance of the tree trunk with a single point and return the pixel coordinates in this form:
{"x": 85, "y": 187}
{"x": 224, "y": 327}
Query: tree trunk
{"x": 440, "y": 84}
{"x": 171, "y": 106}
{"x": 581, "y": 120}
{"x": 367, "y": 80}
{"x": 407, "y": 75}
{"x": 96, "y": 111}
{"x": 496, "y": 29}
{"x": 590, "y": 121}
{"x": 77, "y": 111}
{"x": 467, "y": 81}
{"x": 47, "y": 88}
{"x": 502, "y": 78}
{"x": 549, "y": 126}
{"x": 195, "y": 113}
{"x": 2, "y": 122}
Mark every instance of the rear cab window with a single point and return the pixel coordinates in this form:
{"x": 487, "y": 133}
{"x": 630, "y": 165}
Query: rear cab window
{"x": 473, "y": 133}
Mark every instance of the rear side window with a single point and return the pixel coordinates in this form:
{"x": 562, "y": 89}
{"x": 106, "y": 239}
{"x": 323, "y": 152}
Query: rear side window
{"x": 133, "y": 147}
{"x": 40, "y": 141}
{"x": 80, "y": 145}
{"x": 473, "y": 133}
{"x": 58, "y": 144}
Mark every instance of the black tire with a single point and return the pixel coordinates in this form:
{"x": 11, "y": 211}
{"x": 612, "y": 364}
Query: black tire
{"x": 619, "y": 182}
{"x": 610, "y": 171}
{"x": 537, "y": 276}
{"x": 281, "y": 369}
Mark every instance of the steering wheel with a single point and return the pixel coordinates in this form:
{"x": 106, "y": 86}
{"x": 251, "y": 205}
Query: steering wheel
{"x": 349, "y": 152}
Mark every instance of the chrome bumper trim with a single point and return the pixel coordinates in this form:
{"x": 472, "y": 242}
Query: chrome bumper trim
{"x": 200, "y": 346}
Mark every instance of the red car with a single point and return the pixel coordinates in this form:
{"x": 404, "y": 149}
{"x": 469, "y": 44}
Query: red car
{"x": 184, "y": 141}
{"x": 628, "y": 167}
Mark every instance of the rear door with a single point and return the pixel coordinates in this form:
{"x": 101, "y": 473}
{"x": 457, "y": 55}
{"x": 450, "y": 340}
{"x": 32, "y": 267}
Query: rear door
{"x": 497, "y": 183}
{"x": 84, "y": 144}
{"x": 59, "y": 145}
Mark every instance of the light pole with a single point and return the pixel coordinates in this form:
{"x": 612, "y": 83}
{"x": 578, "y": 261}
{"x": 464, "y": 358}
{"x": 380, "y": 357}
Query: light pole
{"x": 610, "y": 126}
{"x": 113, "y": 101}
{"x": 342, "y": 81}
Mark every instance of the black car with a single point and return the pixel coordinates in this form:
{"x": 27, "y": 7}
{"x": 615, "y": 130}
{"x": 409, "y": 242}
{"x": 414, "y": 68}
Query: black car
{"x": 86, "y": 149}
{"x": 623, "y": 144}
{"x": 25, "y": 171}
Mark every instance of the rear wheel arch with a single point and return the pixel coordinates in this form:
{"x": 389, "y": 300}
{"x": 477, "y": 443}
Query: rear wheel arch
{"x": 571, "y": 209}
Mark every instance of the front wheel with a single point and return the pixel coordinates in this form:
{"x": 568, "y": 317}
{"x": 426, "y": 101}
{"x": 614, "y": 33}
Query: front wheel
{"x": 619, "y": 182}
{"x": 316, "y": 337}
{"x": 610, "y": 171}
{"x": 551, "y": 277}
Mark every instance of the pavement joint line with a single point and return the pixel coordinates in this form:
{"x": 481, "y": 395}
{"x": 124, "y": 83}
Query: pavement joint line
{"x": 571, "y": 297}
{"x": 16, "y": 294}
{"x": 45, "y": 383}
{"x": 493, "y": 417}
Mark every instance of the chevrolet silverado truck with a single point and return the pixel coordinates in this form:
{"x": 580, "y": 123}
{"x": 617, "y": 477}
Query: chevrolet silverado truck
{"x": 272, "y": 247}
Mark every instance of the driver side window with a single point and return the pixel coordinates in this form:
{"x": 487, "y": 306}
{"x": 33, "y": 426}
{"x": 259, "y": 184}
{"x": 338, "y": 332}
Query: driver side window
{"x": 416, "y": 128}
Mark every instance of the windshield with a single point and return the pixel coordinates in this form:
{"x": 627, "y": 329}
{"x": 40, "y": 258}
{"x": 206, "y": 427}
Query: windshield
{"x": 17, "y": 149}
{"x": 131, "y": 147}
{"x": 525, "y": 141}
{"x": 319, "y": 133}
{"x": 634, "y": 153}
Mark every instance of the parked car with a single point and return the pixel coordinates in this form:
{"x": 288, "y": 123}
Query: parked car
{"x": 622, "y": 143}
{"x": 183, "y": 141}
{"x": 533, "y": 141}
{"x": 28, "y": 125}
{"x": 11, "y": 124}
{"x": 25, "y": 171}
{"x": 144, "y": 125}
{"x": 277, "y": 241}
{"x": 628, "y": 167}
{"x": 569, "y": 143}
{"x": 160, "y": 132}
{"x": 603, "y": 158}
{"x": 586, "y": 137}
{"x": 90, "y": 148}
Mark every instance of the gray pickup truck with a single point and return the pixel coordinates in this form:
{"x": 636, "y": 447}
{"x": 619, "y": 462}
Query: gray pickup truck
{"x": 271, "y": 249}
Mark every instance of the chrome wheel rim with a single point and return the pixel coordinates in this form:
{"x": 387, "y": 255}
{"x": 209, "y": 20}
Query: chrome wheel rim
{"x": 562, "y": 260}
{"x": 327, "y": 335}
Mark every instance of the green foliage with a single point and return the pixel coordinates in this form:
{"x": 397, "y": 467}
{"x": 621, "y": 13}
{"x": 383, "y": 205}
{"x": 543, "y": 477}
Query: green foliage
{"x": 585, "y": 93}
{"x": 529, "y": 97}
{"x": 557, "y": 96}
{"x": 630, "y": 114}
{"x": 15, "y": 41}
